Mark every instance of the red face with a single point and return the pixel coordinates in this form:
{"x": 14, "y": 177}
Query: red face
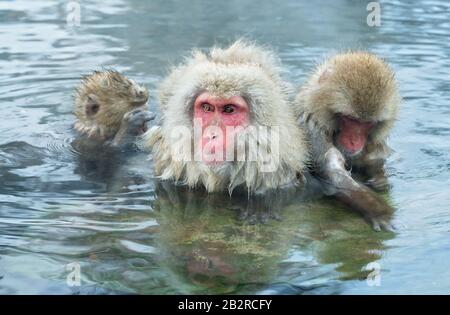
{"x": 219, "y": 118}
{"x": 353, "y": 134}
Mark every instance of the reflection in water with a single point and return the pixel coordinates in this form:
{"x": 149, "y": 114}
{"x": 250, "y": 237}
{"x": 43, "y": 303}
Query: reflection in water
{"x": 131, "y": 234}
{"x": 205, "y": 242}
{"x": 117, "y": 171}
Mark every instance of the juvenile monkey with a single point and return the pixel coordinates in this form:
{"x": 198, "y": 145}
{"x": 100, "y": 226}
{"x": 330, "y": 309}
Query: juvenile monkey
{"x": 348, "y": 106}
{"x": 110, "y": 109}
{"x": 111, "y": 113}
{"x": 211, "y": 106}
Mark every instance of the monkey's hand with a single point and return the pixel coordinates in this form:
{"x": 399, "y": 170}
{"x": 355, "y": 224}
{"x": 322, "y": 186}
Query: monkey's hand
{"x": 373, "y": 168}
{"x": 134, "y": 123}
{"x": 338, "y": 181}
{"x": 382, "y": 224}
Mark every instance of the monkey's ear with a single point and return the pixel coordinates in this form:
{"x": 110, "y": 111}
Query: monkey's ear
{"x": 325, "y": 75}
{"x": 92, "y": 105}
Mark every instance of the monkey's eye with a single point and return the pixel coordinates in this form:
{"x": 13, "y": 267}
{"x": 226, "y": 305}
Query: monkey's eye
{"x": 207, "y": 108}
{"x": 95, "y": 108}
{"x": 228, "y": 109}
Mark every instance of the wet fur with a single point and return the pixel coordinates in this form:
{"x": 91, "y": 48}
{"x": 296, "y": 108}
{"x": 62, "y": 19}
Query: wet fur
{"x": 116, "y": 95}
{"x": 241, "y": 69}
{"x": 356, "y": 84}
{"x": 361, "y": 86}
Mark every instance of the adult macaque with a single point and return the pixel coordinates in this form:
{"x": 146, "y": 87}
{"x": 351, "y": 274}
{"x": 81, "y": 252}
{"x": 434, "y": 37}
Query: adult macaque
{"x": 110, "y": 109}
{"x": 349, "y": 105}
{"x": 226, "y": 123}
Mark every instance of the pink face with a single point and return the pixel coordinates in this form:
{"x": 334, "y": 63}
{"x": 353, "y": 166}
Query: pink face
{"x": 219, "y": 118}
{"x": 353, "y": 134}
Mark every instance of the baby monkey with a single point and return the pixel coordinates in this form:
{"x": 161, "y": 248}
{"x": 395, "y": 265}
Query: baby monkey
{"x": 110, "y": 110}
{"x": 348, "y": 106}
{"x": 111, "y": 114}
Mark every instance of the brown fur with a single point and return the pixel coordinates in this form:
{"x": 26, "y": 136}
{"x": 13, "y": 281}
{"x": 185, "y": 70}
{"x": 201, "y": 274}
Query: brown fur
{"x": 362, "y": 86}
{"x": 114, "y": 93}
{"x": 356, "y": 84}
{"x": 242, "y": 69}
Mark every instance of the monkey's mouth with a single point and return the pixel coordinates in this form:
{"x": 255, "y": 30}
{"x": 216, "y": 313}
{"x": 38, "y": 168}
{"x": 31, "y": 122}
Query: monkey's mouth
{"x": 140, "y": 99}
{"x": 140, "y": 102}
{"x": 351, "y": 153}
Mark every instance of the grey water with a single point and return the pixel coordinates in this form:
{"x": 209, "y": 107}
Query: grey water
{"x": 65, "y": 231}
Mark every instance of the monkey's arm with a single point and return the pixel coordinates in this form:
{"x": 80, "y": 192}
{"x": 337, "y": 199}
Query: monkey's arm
{"x": 357, "y": 196}
{"x": 134, "y": 123}
{"x": 337, "y": 181}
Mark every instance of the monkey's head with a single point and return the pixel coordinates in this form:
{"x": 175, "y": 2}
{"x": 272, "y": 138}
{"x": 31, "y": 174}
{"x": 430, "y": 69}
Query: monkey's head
{"x": 102, "y": 99}
{"x": 353, "y": 97}
{"x": 225, "y": 115}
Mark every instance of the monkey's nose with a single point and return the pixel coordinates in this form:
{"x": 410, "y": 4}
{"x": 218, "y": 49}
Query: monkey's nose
{"x": 210, "y": 137}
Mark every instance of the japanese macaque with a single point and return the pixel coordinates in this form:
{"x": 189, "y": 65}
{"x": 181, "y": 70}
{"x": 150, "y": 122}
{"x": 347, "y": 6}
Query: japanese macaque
{"x": 348, "y": 106}
{"x": 226, "y": 123}
{"x": 111, "y": 114}
{"x": 110, "y": 109}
